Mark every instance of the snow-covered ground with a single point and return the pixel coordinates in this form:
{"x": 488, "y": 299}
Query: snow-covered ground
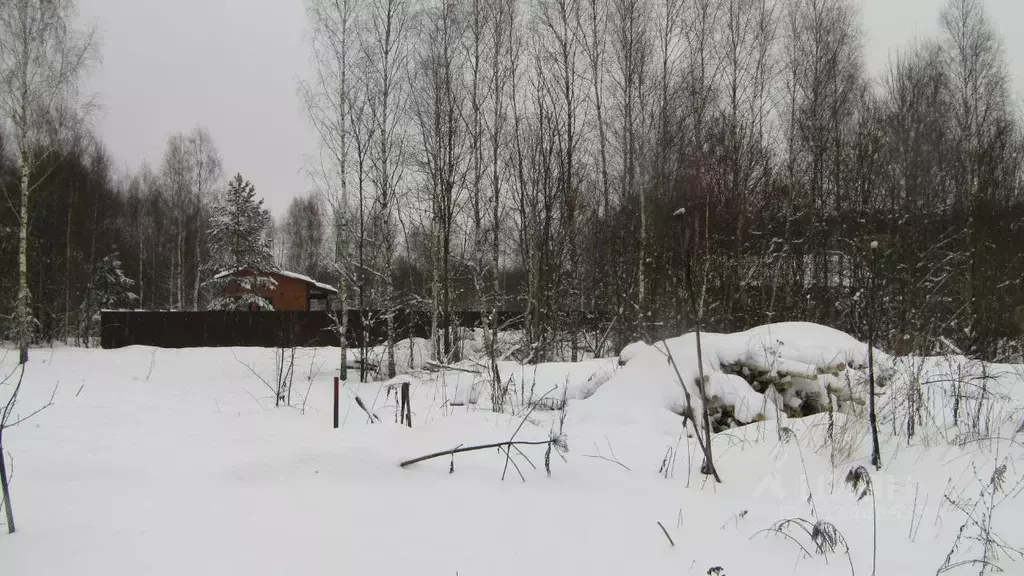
{"x": 154, "y": 462}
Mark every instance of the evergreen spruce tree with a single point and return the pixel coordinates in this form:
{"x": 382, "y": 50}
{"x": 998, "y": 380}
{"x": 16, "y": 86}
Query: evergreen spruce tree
{"x": 109, "y": 289}
{"x": 238, "y": 244}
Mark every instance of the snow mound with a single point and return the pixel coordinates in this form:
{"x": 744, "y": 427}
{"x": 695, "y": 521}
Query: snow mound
{"x": 794, "y": 364}
{"x": 552, "y": 382}
{"x": 794, "y": 347}
{"x": 632, "y": 351}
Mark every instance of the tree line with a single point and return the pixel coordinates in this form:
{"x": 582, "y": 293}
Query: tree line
{"x": 530, "y": 155}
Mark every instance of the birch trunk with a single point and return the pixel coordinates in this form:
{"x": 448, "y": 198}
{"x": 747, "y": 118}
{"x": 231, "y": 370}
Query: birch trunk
{"x": 199, "y": 254}
{"x": 180, "y": 280}
{"x": 141, "y": 248}
{"x": 343, "y": 297}
{"x": 435, "y": 332}
{"x": 23, "y": 312}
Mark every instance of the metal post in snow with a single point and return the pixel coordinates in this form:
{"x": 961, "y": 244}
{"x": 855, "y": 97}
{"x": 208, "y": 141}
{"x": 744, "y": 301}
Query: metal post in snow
{"x": 337, "y": 385}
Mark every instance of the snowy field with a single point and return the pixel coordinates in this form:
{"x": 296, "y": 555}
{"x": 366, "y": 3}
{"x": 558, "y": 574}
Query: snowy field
{"x": 177, "y": 462}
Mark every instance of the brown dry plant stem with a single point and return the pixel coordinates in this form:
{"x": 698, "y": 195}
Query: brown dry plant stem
{"x": 876, "y": 453}
{"x": 689, "y": 249}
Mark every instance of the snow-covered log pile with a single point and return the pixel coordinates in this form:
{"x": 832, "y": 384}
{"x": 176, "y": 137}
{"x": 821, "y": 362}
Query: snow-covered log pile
{"x": 769, "y": 372}
{"x": 793, "y": 368}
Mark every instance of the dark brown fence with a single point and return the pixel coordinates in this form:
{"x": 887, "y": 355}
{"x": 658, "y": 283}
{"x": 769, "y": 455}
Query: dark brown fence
{"x": 265, "y": 329}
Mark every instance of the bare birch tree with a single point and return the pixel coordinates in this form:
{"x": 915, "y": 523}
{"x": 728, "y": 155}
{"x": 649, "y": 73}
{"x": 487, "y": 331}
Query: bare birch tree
{"x": 742, "y": 167}
{"x": 205, "y": 173}
{"x": 824, "y": 73}
{"x": 329, "y": 101}
{"x": 701, "y": 88}
{"x": 503, "y": 60}
{"x": 42, "y": 59}
{"x": 559, "y": 50}
{"x": 594, "y": 31}
{"x": 535, "y": 192}
{"x": 668, "y": 16}
{"x": 980, "y": 129}
{"x": 474, "y": 48}
{"x": 386, "y": 54}
{"x": 303, "y": 236}
{"x": 175, "y": 172}
{"x": 632, "y": 50}
{"x": 447, "y": 149}
{"x": 361, "y": 124}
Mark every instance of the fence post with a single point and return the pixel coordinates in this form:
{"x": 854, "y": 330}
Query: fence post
{"x": 337, "y": 381}
{"x": 406, "y": 407}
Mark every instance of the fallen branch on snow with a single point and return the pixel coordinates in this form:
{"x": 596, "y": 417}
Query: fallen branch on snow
{"x": 600, "y": 456}
{"x": 373, "y": 417}
{"x": 432, "y": 366}
{"x": 662, "y": 526}
{"x": 506, "y": 445}
{"x": 556, "y": 440}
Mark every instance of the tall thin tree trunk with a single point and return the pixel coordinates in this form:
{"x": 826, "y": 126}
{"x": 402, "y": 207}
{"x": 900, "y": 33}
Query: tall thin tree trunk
{"x": 495, "y": 243}
{"x": 154, "y": 274}
{"x": 23, "y": 312}
{"x": 362, "y": 267}
{"x": 5, "y": 489}
{"x": 339, "y": 256}
{"x": 86, "y": 322}
{"x": 142, "y": 266}
{"x": 446, "y": 289}
{"x": 602, "y": 136}
{"x": 199, "y": 254}
{"x": 497, "y": 89}
{"x": 435, "y": 333}
{"x": 67, "y": 267}
{"x": 180, "y": 279}
{"x": 876, "y": 453}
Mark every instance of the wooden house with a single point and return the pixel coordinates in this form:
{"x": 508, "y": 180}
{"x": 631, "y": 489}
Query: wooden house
{"x": 294, "y": 292}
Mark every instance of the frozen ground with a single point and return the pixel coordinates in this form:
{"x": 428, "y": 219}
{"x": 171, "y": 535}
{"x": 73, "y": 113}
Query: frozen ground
{"x": 161, "y": 462}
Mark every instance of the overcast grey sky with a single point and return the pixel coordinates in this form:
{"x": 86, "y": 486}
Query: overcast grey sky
{"x": 233, "y": 66}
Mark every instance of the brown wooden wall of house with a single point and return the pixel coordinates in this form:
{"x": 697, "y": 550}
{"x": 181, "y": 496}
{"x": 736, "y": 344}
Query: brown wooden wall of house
{"x": 291, "y": 295}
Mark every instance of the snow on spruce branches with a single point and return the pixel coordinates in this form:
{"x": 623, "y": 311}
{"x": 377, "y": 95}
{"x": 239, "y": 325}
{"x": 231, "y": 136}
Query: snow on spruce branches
{"x": 238, "y": 243}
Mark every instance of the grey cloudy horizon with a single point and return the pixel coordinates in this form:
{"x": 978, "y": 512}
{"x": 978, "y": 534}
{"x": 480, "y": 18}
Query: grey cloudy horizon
{"x": 233, "y": 66}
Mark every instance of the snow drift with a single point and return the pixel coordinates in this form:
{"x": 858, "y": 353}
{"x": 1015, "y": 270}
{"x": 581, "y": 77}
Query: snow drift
{"x": 753, "y": 375}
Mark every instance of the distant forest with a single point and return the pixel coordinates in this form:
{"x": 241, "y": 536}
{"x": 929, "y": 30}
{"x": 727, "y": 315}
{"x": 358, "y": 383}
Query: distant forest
{"x": 642, "y": 161}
